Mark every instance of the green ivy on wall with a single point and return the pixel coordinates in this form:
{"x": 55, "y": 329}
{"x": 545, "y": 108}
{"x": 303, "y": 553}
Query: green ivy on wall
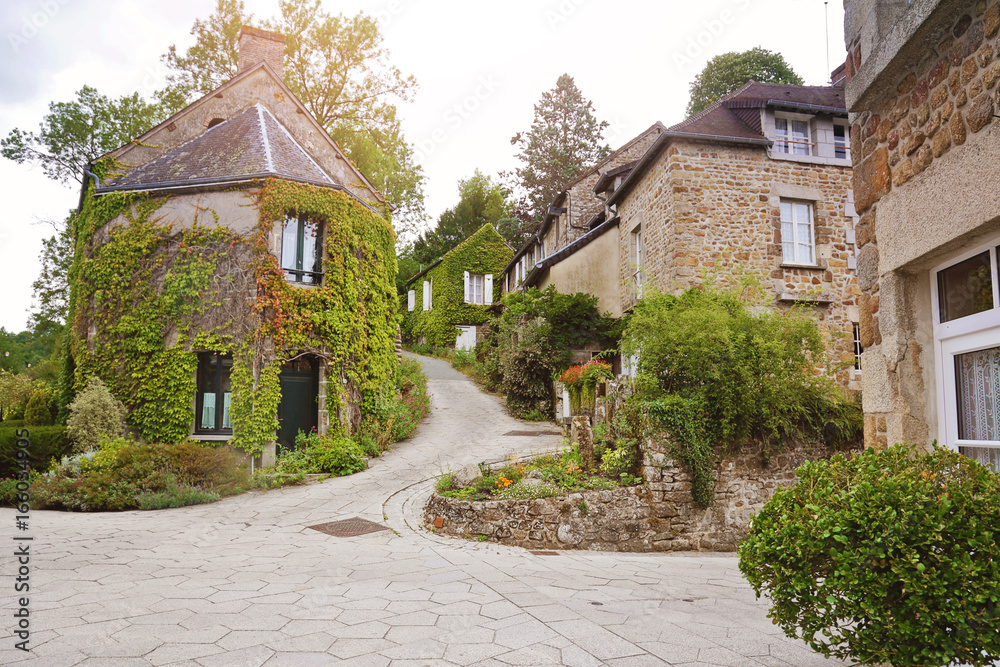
{"x": 145, "y": 299}
{"x": 484, "y": 252}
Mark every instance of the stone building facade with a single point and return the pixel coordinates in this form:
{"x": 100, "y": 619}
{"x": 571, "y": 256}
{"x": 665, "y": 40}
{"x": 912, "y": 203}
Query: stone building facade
{"x": 574, "y": 209}
{"x": 719, "y": 195}
{"x": 923, "y": 93}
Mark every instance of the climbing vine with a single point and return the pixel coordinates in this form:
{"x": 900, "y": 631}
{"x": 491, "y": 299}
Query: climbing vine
{"x": 145, "y": 298}
{"x": 484, "y": 252}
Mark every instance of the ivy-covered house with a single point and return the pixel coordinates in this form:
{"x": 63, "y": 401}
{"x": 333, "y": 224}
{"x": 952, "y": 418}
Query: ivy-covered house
{"x": 234, "y": 272}
{"x": 445, "y": 304}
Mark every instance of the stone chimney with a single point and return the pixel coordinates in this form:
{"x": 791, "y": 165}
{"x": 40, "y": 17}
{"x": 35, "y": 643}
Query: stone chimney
{"x": 256, "y": 45}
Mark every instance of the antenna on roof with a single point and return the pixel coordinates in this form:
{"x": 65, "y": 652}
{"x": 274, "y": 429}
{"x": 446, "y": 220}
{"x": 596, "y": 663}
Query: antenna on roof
{"x": 826, "y": 14}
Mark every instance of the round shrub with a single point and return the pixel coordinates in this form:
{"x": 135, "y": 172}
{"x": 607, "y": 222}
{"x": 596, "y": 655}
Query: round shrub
{"x": 41, "y": 408}
{"x": 884, "y": 557}
{"x": 95, "y": 413}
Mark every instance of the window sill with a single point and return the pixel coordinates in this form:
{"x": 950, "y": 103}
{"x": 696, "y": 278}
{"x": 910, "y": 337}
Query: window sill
{"x": 816, "y": 299}
{"x": 811, "y": 159}
{"x": 208, "y": 437}
{"x": 814, "y": 267}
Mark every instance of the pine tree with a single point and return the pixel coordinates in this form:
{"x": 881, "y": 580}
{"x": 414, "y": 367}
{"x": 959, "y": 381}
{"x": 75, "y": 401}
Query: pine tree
{"x": 564, "y": 140}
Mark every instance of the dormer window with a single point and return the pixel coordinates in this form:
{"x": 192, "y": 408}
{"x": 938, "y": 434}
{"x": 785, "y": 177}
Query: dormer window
{"x": 792, "y": 134}
{"x": 301, "y": 244}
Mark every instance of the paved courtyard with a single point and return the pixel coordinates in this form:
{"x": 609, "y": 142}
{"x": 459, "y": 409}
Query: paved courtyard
{"x": 244, "y": 581}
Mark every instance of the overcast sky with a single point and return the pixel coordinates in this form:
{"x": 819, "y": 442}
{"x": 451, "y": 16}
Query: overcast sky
{"x": 480, "y": 68}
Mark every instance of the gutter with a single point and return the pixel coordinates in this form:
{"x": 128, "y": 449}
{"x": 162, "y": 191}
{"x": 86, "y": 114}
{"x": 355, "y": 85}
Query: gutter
{"x": 815, "y": 108}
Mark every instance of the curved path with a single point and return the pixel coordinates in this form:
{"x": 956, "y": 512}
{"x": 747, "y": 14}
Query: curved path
{"x": 244, "y": 581}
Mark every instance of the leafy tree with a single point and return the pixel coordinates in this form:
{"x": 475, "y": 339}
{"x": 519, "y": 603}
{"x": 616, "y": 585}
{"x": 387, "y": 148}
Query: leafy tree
{"x": 727, "y": 73}
{"x": 77, "y": 132}
{"x": 338, "y": 68}
{"x": 565, "y": 139}
{"x": 481, "y": 201}
{"x": 51, "y": 288}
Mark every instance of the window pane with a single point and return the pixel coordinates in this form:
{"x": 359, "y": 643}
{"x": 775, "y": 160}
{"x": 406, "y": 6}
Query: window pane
{"x": 802, "y": 213}
{"x": 966, "y": 288}
{"x": 805, "y": 234}
{"x": 207, "y": 413}
{"x": 977, "y": 376}
{"x": 310, "y": 245}
{"x": 289, "y": 245}
{"x": 988, "y": 456}
{"x": 786, "y": 211}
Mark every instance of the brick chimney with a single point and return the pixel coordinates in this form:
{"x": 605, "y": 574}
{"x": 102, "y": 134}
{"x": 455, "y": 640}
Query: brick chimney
{"x": 256, "y": 45}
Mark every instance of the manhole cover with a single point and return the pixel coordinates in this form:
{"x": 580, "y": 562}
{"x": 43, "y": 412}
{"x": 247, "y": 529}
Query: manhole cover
{"x": 349, "y": 527}
{"x": 531, "y": 434}
{"x": 544, "y": 553}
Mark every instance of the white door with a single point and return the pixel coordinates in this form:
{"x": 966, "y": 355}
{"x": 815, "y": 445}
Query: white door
{"x": 466, "y": 338}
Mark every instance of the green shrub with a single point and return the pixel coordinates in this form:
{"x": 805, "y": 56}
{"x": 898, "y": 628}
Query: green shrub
{"x": 95, "y": 413}
{"x": 12, "y": 423}
{"x": 884, "y": 557}
{"x": 395, "y": 412}
{"x": 317, "y": 454}
{"x": 125, "y": 475}
{"x": 616, "y": 462}
{"x": 46, "y": 443}
{"x": 714, "y": 370}
{"x": 41, "y": 408}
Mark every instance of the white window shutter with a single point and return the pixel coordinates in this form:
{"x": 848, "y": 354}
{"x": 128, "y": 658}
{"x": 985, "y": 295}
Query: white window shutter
{"x": 411, "y": 299}
{"x": 488, "y": 289}
{"x": 427, "y": 295}
{"x": 467, "y": 299}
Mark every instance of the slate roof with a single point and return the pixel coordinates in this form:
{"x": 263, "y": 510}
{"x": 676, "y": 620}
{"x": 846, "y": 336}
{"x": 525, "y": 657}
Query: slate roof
{"x": 738, "y": 116}
{"x": 252, "y": 144}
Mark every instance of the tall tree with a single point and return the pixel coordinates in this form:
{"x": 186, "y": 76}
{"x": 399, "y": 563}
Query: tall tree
{"x": 482, "y": 201}
{"x": 564, "y": 140}
{"x": 727, "y": 73}
{"x": 77, "y": 132}
{"x": 339, "y": 69}
{"x": 51, "y": 288}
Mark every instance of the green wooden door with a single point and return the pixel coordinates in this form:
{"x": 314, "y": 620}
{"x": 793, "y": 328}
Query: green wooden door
{"x": 298, "y": 409}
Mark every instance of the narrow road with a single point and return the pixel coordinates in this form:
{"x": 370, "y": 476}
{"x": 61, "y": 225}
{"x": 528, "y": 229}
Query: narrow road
{"x": 245, "y": 581}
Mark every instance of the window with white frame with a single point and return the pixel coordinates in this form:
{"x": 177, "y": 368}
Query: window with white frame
{"x": 792, "y": 134}
{"x": 966, "y": 302}
{"x": 478, "y": 288}
{"x": 797, "y": 240}
{"x": 638, "y": 255}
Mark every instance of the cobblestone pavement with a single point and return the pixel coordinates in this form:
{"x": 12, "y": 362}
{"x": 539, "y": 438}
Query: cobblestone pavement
{"x": 244, "y": 581}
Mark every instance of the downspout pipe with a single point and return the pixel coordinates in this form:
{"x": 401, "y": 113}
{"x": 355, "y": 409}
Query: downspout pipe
{"x": 83, "y": 186}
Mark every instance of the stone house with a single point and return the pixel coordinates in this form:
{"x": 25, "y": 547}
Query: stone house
{"x": 446, "y": 303}
{"x": 758, "y": 183}
{"x": 922, "y": 92}
{"x": 234, "y": 272}
{"x": 573, "y": 209}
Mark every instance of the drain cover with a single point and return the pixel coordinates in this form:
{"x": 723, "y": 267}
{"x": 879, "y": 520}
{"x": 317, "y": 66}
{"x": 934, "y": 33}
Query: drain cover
{"x": 349, "y": 527}
{"x": 544, "y": 553}
{"x": 531, "y": 434}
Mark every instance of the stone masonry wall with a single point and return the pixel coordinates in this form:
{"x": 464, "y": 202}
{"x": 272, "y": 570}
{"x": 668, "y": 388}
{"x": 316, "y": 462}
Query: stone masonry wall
{"x": 657, "y": 515}
{"x": 716, "y": 207}
{"x": 938, "y": 104}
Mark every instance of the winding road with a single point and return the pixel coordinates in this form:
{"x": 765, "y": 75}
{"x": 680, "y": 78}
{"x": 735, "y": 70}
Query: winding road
{"x": 245, "y": 581}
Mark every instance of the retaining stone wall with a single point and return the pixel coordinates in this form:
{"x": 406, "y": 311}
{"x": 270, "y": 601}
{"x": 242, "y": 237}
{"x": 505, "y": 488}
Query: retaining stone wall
{"x": 657, "y": 515}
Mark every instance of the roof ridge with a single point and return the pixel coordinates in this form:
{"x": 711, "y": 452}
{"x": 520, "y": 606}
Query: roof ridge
{"x": 268, "y": 158}
{"x": 296, "y": 143}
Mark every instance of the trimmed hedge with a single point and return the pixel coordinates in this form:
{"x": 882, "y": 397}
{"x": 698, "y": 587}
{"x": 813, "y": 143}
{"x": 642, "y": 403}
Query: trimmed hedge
{"x": 47, "y": 443}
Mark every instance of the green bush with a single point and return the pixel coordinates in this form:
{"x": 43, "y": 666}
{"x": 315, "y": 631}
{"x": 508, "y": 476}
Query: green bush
{"x": 94, "y": 414}
{"x": 713, "y": 369}
{"x": 317, "y": 454}
{"x": 396, "y": 411}
{"x": 124, "y": 475}
{"x": 884, "y": 557}
{"x": 41, "y": 408}
{"x": 46, "y": 443}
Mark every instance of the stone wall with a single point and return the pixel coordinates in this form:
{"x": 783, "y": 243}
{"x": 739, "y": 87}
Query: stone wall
{"x": 925, "y": 149}
{"x": 657, "y": 515}
{"x": 716, "y": 207}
